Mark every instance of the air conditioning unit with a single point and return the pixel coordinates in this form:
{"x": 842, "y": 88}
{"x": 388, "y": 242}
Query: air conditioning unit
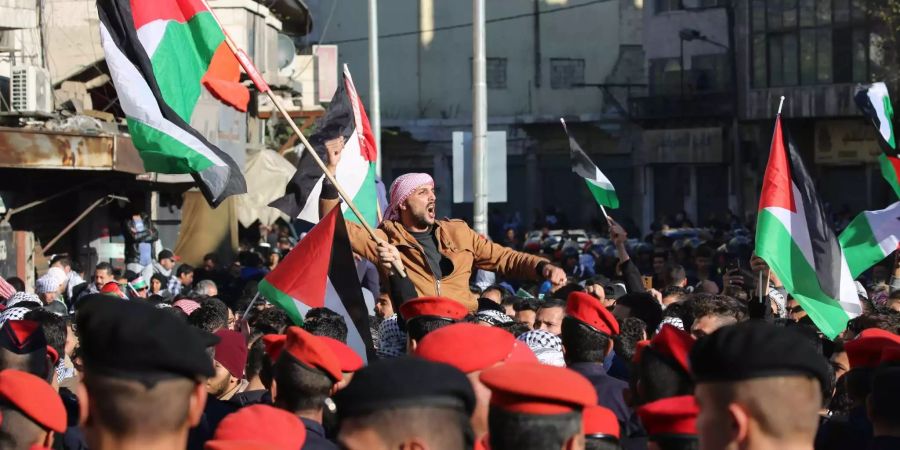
{"x": 30, "y": 90}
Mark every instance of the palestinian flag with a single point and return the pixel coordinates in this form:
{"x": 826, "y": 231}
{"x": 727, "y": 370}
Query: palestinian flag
{"x": 600, "y": 186}
{"x": 318, "y": 272}
{"x": 344, "y": 123}
{"x": 871, "y": 237}
{"x": 793, "y": 236}
{"x": 875, "y": 103}
{"x": 160, "y": 54}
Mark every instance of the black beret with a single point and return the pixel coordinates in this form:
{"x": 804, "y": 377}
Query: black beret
{"x": 405, "y": 382}
{"x": 134, "y": 340}
{"x": 756, "y": 350}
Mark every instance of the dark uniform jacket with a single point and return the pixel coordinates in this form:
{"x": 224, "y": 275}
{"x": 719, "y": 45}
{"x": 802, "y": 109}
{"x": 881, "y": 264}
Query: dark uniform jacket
{"x": 315, "y": 436}
{"x": 609, "y": 395}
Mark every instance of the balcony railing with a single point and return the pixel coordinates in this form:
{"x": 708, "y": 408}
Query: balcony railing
{"x": 693, "y": 105}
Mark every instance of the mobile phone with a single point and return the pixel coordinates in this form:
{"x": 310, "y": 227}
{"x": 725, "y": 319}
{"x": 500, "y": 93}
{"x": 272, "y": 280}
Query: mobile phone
{"x": 648, "y": 282}
{"x": 732, "y": 265}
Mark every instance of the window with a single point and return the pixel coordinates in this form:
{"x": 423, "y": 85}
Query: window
{"x": 803, "y": 42}
{"x": 665, "y": 76}
{"x": 495, "y": 72}
{"x": 667, "y": 5}
{"x": 565, "y": 72}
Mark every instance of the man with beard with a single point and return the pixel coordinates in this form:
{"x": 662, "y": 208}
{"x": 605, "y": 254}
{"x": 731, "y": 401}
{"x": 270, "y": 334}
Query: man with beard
{"x": 438, "y": 255}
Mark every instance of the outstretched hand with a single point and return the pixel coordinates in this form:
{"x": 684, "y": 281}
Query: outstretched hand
{"x": 555, "y": 275}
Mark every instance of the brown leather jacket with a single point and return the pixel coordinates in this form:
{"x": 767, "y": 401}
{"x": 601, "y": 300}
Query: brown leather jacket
{"x": 458, "y": 243}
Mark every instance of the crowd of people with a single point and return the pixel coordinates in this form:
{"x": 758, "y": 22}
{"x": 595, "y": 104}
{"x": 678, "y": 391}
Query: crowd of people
{"x": 682, "y": 339}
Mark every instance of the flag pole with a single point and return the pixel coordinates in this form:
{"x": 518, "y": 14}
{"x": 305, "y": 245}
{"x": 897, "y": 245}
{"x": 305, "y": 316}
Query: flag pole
{"x": 262, "y": 86}
{"x": 247, "y": 311}
{"x": 780, "y": 104}
{"x": 760, "y": 284}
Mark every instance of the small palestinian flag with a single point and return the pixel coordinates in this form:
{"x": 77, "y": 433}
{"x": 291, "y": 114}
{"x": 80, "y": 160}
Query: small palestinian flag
{"x": 345, "y": 123}
{"x": 875, "y": 103}
{"x": 161, "y": 54}
{"x": 793, "y": 236}
{"x": 871, "y": 237}
{"x": 600, "y": 186}
{"x": 318, "y": 272}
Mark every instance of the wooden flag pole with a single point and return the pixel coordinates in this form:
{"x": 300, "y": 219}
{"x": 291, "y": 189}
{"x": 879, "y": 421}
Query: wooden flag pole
{"x": 262, "y": 86}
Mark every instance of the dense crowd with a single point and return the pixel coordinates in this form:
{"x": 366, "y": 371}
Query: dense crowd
{"x": 681, "y": 339}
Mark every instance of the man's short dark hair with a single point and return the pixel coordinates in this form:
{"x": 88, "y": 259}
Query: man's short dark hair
{"x": 184, "y": 269}
{"x": 255, "y": 357}
{"x": 105, "y": 266}
{"x": 299, "y": 388}
{"x": 211, "y": 257}
{"x": 551, "y": 303}
{"x": 54, "y": 327}
{"x": 582, "y": 344}
{"x": 677, "y": 291}
{"x": 527, "y": 305}
{"x": 675, "y": 274}
{"x": 62, "y": 260}
{"x": 660, "y": 377}
{"x": 885, "y": 396}
{"x": 418, "y": 327}
{"x": 122, "y": 406}
{"x": 495, "y": 287}
{"x": 515, "y": 328}
{"x": 16, "y": 283}
{"x": 440, "y": 428}
{"x": 325, "y": 322}
{"x": 512, "y": 301}
{"x": 518, "y": 431}
{"x": 270, "y": 321}
{"x": 631, "y": 330}
{"x": 211, "y": 316}
{"x": 563, "y": 292}
{"x": 17, "y": 430}
{"x": 643, "y": 306}
{"x": 718, "y": 305}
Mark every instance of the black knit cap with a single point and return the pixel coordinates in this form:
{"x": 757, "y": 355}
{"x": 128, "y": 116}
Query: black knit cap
{"x": 405, "y": 382}
{"x": 134, "y": 340}
{"x": 755, "y": 349}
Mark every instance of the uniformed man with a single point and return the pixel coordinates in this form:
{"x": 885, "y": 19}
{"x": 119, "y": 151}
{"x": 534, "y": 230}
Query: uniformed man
{"x": 305, "y": 374}
{"x": 601, "y": 429}
{"x": 671, "y": 423}
{"x": 759, "y": 387}
{"x": 258, "y": 426}
{"x": 662, "y": 369}
{"x": 23, "y": 346}
{"x": 536, "y": 407}
{"x": 31, "y": 411}
{"x": 406, "y": 403}
{"x": 438, "y": 255}
{"x": 883, "y": 411}
{"x": 472, "y": 348}
{"x": 144, "y": 379}
{"x": 425, "y": 314}
{"x": 587, "y": 336}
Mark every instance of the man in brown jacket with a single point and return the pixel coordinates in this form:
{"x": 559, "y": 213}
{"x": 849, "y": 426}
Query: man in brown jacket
{"x": 438, "y": 255}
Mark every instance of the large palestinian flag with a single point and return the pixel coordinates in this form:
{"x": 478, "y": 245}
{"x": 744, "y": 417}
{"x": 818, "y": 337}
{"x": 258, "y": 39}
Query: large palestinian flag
{"x": 873, "y": 100}
{"x": 318, "y": 272}
{"x": 600, "y": 186}
{"x": 794, "y": 237}
{"x": 345, "y": 123}
{"x": 871, "y": 237}
{"x": 160, "y": 54}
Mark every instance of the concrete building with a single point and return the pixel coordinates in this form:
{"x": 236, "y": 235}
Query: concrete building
{"x": 546, "y": 59}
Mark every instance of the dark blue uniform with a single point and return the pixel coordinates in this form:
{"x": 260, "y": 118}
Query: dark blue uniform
{"x": 315, "y": 436}
{"x": 609, "y": 395}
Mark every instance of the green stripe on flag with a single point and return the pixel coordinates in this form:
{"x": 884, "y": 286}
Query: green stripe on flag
{"x": 777, "y": 247}
{"x": 282, "y": 300}
{"x": 163, "y": 153}
{"x": 860, "y": 246}
{"x": 605, "y": 197}
{"x": 179, "y": 66}
{"x": 366, "y": 200}
{"x": 889, "y": 113}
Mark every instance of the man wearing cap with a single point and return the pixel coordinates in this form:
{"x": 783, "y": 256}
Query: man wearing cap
{"x": 164, "y": 264}
{"x": 305, "y": 374}
{"x": 601, "y": 429}
{"x": 258, "y": 427}
{"x": 671, "y": 423}
{"x": 229, "y": 359}
{"x": 23, "y": 346}
{"x": 144, "y": 379}
{"x": 31, "y": 411}
{"x": 49, "y": 288}
{"x": 406, "y": 403}
{"x": 587, "y": 335}
{"x": 472, "y": 348}
{"x": 758, "y": 387}
{"x": 439, "y": 255}
{"x": 536, "y": 407}
{"x": 426, "y": 314}
{"x": 662, "y": 368}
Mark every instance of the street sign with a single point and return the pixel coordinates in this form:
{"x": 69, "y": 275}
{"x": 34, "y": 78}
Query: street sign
{"x": 496, "y": 167}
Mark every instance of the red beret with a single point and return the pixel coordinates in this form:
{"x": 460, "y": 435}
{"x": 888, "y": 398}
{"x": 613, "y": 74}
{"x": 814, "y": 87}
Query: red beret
{"x": 538, "y": 389}
{"x": 274, "y": 344}
{"x": 433, "y": 306}
{"x": 866, "y": 349}
{"x": 259, "y": 426}
{"x": 231, "y": 352}
{"x": 469, "y": 347}
{"x": 35, "y": 398}
{"x": 600, "y": 421}
{"x": 890, "y": 354}
{"x": 312, "y": 351}
{"x": 350, "y": 361}
{"x": 639, "y": 350}
{"x": 588, "y": 310}
{"x": 25, "y": 336}
{"x": 670, "y": 416}
{"x": 674, "y": 343}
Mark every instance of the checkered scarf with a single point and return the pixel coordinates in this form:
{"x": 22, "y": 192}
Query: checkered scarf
{"x": 546, "y": 346}
{"x": 393, "y": 340}
{"x": 493, "y": 317}
{"x": 14, "y": 313}
{"x": 401, "y": 189}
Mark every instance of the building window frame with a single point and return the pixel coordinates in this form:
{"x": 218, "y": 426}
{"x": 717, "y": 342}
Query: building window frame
{"x": 557, "y": 81}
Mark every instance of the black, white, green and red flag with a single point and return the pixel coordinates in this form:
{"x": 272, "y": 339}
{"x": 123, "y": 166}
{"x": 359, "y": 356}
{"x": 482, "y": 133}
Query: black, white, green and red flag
{"x": 161, "y": 54}
{"x": 871, "y": 237}
{"x": 345, "y": 119}
{"x": 320, "y": 271}
{"x": 793, "y": 236}
{"x": 601, "y": 188}
{"x": 875, "y": 102}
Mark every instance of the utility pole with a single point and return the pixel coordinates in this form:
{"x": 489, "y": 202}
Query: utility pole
{"x": 374, "y": 87}
{"x": 479, "y": 118}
